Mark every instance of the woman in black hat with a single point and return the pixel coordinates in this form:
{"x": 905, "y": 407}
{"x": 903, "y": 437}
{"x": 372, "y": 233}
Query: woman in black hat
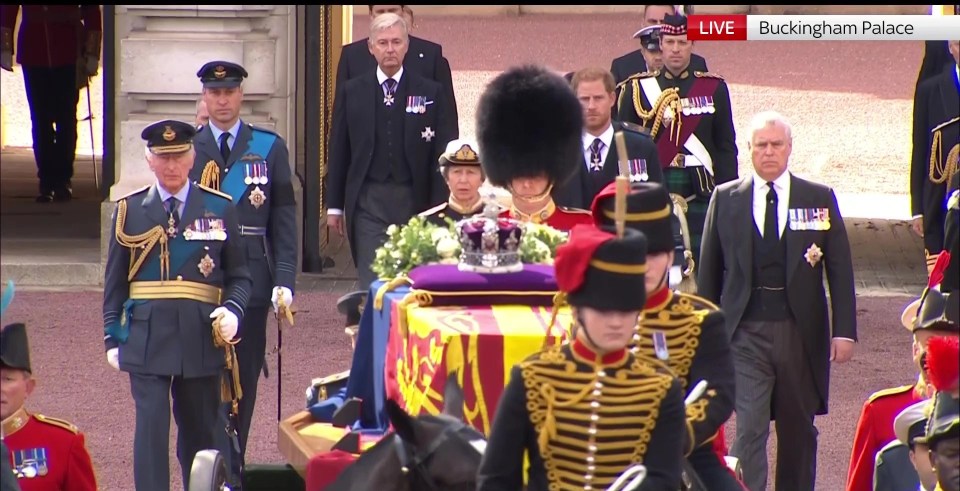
{"x": 587, "y": 411}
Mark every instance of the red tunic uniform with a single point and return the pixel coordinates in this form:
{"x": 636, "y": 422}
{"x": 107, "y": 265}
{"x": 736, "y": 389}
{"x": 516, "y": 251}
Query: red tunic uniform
{"x": 51, "y": 35}
{"x": 558, "y": 217}
{"x": 47, "y": 454}
{"x": 874, "y": 430}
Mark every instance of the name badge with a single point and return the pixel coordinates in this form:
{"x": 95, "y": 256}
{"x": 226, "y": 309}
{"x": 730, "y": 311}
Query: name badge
{"x": 817, "y": 219}
{"x": 206, "y": 229}
{"x": 638, "y": 170}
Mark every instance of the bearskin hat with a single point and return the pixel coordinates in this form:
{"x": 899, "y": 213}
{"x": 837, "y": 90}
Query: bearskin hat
{"x": 529, "y": 123}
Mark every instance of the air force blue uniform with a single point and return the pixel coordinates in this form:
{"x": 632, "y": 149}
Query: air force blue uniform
{"x": 251, "y": 166}
{"x": 163, "y": 279}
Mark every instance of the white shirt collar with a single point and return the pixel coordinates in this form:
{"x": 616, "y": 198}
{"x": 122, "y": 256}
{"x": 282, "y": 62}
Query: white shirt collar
{"x": 781, "y": 184}
{"x": 606, "y": 137}
{"x": 181, "y": 195}
{"x": 382, "y": 77}
{"x": 234, "y": 131}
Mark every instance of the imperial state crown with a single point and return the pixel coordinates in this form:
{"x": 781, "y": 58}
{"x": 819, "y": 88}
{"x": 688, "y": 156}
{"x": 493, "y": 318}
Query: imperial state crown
{"x": 488, "y": 243}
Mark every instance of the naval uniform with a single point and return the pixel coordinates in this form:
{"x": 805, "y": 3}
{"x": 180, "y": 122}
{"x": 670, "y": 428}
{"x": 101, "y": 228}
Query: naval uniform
{"x": 47, "y": 454}
{"x": 558, "y": 217}
{"x": 159, "y": 292}
{"x": 451, "y": 210}
{"x": 548, "y": 411}
{"x": 690, "y": 119}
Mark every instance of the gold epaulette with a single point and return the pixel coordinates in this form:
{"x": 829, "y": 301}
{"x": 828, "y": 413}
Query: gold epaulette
{"x": 135, "y": 191}
{"x": 945, "y": 124}
{"x": 214, "y": 191}
{"x": 699, "y": 301}
{"x": 574, "y": 210}
{"x": 433, "y": 210}
{"x": 638, "y": 75}
{"x": 707, "y": 75}
{"x": 892, "y": 391}
{"x": 59, "y": 423}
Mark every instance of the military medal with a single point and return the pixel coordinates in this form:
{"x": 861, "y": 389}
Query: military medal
{"x": 660, "y": 345}
{"x": 427, "y": 134}
{"x": 388, "y": 100}
{"x": 263, "y": 173}
{"x": 595, "y": 164}
{"x": 247, "y": 172}
{"x": 638, "y": 170}
{"x": 813, "y": 255}
{"x": 171, "y": 227}
{"x": 257, "y": 198}
{"x": 217, "y": 231}
{"x": 710, "y": 108}
{"x": 43, "y": 469}
{"x": 206, "y": 265}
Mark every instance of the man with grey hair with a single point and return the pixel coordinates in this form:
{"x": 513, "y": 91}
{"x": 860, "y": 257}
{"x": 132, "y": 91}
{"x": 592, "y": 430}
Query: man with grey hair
{"x": 389, "y": 128}
{"x": 769, "y": 239}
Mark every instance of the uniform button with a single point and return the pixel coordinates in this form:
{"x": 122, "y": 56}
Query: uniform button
{"x": 179, "y": 278}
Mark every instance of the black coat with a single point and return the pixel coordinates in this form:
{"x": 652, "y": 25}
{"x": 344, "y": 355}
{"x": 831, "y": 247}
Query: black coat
{"x": 272, "y": 254}
{"x": 937, "y": 106}
{"x": 423, "y": 57}
{"x": 580, "y": 189}
{"x": 726, "y": 268}
{"x": 352, "y": 142}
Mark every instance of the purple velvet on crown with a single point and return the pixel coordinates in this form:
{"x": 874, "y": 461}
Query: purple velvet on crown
{"x": 534, "y": 285}
{"x": 490, "y": 245}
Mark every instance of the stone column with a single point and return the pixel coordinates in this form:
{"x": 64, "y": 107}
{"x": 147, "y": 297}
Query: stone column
{"x": 160, "y": 48}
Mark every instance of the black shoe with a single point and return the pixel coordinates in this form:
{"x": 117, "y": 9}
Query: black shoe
{"x": 45, "y": 197}
{"x": 64, "y": 193}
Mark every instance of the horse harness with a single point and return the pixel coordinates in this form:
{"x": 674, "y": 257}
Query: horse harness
{"x": 417, "y": 468}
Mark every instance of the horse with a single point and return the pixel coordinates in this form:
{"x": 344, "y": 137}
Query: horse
{"x": 423, "y": 453}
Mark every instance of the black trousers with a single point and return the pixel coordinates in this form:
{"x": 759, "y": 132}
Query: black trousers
{"x": 52, "y": 95}
{"x": 250, "y": 356}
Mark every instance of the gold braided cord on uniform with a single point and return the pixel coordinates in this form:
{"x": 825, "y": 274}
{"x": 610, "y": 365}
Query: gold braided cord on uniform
{"x": 144, "y": 243}
{"x": 669, "y": 98}
{"x": 230, "y": 356}
{"x": 210, "y": 177}
{"x": 687, "y": 284}
{"x": 681, "y": 325}
{"x": 942, "y": 170}
{"x": 559, "y": 406}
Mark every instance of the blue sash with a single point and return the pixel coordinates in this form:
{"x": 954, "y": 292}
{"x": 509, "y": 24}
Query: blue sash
{"x": 260, "y": 144}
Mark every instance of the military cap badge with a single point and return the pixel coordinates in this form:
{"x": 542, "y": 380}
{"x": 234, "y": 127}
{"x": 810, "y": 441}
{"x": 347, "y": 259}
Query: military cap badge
{"x": 168, "y": 134}
{"x": 219, "y": 71}
{"x": 466, "y": 154}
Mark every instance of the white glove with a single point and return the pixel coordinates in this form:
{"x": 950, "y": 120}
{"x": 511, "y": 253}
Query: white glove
{"x": 6, "y": 60}
{"x": 113, "y": 358}
{"x": 278, "y": 292}
{"x": 92, "y": 65}
{"x": 228, "y": 325}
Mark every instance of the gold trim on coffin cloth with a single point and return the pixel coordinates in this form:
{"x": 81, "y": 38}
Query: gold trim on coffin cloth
{"x": 189, "y": 290}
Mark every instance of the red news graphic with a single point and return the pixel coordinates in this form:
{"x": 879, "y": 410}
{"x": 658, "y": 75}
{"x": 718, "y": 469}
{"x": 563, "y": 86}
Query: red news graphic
{"x": 717, "y": 28}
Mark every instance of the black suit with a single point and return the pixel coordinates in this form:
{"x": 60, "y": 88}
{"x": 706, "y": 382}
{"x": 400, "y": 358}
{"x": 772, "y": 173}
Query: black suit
{"x": 936, "y": 58}
{"x": 579, "y": 190}
{"x": 633, "y": 62}
{"x": 423, "y": 57}
{"x": 791, "y": 370}
{"x": 354, "y": 143}
{"x": 937, "y": 102}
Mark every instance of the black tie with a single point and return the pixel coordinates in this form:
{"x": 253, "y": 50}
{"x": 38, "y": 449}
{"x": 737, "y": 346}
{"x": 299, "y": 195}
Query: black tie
{"x": 224, "y": 148}
{"x": 596, "y": 163}
{"x": 771, "y": 230}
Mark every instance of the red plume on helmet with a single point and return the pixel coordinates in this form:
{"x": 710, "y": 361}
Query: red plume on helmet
{"x": 943, "y": 362}
{"x": 939, "y": 269}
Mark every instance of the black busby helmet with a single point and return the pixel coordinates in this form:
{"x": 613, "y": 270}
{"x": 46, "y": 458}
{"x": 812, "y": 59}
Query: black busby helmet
{"x": 649, "y": 210}
{"x": 217, "y": 74}
{"x": 529, "y": 124}
{"x": 597, "y": 269}
{"x": 938, "y": 312}
{"x": 14, "y": 349}
{"x": 944, "y": 421}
